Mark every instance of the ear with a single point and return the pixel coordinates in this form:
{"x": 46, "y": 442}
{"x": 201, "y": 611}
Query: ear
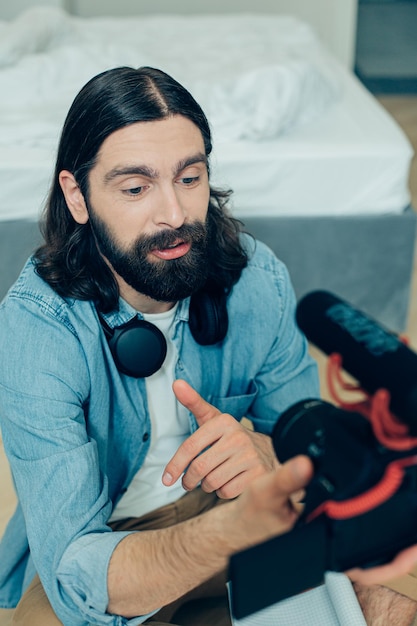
{"x": 73, "y": 197}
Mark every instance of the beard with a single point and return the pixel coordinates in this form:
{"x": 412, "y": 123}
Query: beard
{"x": 162, "y": 280}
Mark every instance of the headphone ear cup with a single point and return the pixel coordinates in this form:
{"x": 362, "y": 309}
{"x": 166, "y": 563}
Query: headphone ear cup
{"x": 138, "y": 348}
{"x": 208, "y": 319}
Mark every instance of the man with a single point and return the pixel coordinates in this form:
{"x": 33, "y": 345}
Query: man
{"x": 144, "y": 283}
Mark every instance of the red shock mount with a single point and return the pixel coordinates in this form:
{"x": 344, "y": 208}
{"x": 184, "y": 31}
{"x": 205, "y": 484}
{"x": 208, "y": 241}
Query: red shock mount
{"x": 388, "y": 430}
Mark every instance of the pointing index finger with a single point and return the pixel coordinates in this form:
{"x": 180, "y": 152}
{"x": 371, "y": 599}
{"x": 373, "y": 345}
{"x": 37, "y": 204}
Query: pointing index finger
{"x": 202, "y": 410}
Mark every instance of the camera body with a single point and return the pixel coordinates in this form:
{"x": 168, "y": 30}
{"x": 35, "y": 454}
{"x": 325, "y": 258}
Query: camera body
{"x": 371, "y": 491}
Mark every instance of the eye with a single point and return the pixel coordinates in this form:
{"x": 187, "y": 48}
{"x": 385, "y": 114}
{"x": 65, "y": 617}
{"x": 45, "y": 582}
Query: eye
{"x": 134, "y": 191}
{"x": 189, "y": 180}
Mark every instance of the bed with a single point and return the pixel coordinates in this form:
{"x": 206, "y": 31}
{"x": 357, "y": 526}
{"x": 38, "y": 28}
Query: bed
{"x": 319, "y": 170}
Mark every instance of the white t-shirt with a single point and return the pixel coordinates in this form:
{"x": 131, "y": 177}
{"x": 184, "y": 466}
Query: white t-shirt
{"x": 169, "y": 428}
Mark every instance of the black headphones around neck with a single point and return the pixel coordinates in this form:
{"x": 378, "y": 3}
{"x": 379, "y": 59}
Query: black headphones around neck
{"x": 139, "y": 348}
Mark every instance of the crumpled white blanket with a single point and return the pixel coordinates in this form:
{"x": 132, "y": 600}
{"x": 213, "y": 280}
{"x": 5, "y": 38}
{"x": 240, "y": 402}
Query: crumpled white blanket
{"x": 256, "y": 77}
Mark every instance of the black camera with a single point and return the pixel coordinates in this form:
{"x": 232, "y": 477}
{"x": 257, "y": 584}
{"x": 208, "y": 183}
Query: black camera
{"x": 365, "y": 492}
{"x": 360, "y": 508}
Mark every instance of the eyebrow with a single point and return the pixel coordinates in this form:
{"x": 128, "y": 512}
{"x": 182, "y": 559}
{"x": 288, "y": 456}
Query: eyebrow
{"x": 192, "y": 160}
{"x": 130, "y": 170}
{"x": 150, "y": 172}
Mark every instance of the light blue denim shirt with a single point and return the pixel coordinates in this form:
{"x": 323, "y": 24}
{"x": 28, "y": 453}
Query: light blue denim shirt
{"x": 76, "y": 431}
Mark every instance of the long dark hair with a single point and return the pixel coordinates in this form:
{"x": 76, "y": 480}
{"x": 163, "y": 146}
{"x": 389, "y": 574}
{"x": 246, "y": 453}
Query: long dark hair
{"x": 69, "y": 260}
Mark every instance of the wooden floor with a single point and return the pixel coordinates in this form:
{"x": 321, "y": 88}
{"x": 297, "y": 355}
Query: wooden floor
{"x": 404, "y": 110}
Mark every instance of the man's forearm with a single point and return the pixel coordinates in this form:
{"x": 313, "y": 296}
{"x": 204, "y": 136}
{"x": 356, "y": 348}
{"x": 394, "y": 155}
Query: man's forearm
{"x": 383, "y": 607}
{"x": 150, "y": 569}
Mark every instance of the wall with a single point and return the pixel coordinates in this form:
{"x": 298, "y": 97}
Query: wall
{"x": 10, "y": 10}
{"x": 333, "y": 20}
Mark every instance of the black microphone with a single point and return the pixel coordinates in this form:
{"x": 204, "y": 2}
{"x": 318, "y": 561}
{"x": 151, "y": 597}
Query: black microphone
{"x": 373, "y": 355}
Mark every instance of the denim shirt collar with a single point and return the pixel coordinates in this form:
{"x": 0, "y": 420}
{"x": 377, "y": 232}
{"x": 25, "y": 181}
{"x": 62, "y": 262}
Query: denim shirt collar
{"x": 126, "y": 312}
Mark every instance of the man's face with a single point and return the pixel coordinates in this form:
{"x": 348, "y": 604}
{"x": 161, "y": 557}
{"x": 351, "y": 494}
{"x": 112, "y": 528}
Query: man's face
{"x": 147, "y": 205}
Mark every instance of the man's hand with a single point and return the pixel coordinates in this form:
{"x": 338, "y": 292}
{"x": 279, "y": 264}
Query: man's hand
{"x": 222, "y": 455}
{"x": 402, "y": 564}
{"x": 382, "y": 606}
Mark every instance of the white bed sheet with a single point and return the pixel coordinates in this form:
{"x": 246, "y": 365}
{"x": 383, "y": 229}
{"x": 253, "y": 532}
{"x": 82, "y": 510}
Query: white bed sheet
{"x": 334, "y": 150}
{"x": 353, "y": 160}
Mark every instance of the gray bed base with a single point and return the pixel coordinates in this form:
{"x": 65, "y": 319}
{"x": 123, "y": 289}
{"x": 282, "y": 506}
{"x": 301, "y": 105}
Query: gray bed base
{"x": 367, "y": 259}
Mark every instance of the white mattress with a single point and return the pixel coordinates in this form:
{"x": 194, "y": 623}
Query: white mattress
{"x": 294, "y": 133}
{"x": 353, "y": 160}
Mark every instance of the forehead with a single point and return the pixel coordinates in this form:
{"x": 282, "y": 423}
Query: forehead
{"x": 157, "y": 143}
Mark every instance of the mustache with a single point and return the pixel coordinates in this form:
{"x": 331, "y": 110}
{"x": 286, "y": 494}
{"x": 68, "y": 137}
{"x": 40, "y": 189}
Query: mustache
{"x": 194, "y": 233}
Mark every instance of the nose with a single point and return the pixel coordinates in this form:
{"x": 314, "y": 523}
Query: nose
{"x": 170, "y": 210}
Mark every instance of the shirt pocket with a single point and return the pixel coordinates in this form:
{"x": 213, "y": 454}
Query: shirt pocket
{"x": 238, "y": 406}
